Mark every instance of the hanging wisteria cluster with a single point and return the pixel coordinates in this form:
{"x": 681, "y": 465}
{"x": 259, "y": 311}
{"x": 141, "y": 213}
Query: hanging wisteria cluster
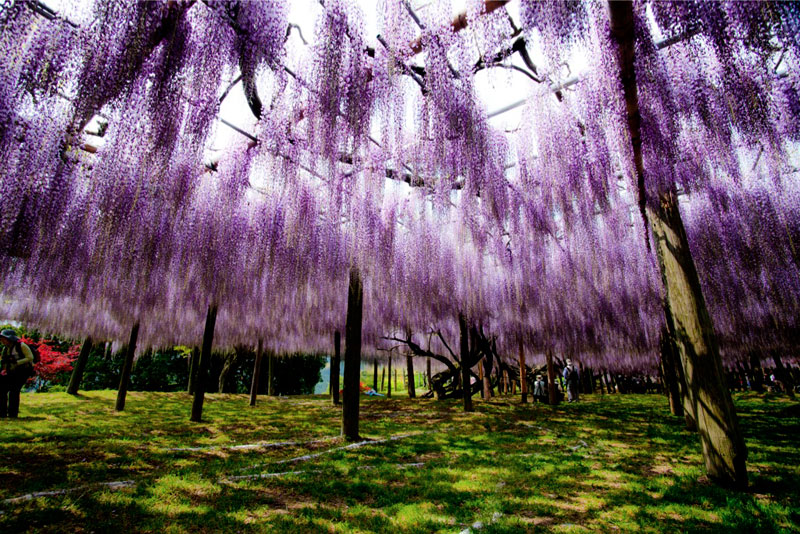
{"x": 377, "y": 153}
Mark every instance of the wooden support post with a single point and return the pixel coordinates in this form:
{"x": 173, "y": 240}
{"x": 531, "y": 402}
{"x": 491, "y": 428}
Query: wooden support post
{"x": 428, "y": 372}
{"x": 551, "y": 379}
{"x": 127, "y": 366}
{"x": 335, "y": 364}
{"x": 523, "y": 373}
{"x": 256, "y": 373}
{"x": 80, "y": 365}
{"x": 412, "y": 387}
{"x": 783, "y": 374}
{"x": 270, "y": 374}
{"x": 389, "y": 381}
{"x": 352, "y": 357}
{"x": 487, "y": 379}
{"x": 383, "y": 378}
{"x": 203, "y": 364}
{"x": 375, "y": 374}
{"x": 466, "y": 386}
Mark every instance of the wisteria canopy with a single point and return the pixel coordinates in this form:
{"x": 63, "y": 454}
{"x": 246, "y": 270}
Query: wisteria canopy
{"x": 375, "y": 152}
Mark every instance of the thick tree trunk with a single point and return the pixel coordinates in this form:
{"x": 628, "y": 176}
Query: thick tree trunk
{"x": 203, "y": 364}
{"x": 724, "y": 449}
{"x": 194, "y": 363}
{"x": 669, "y": 375}
{"x": 335, "y": 364}
{"x": 412, "y": 387}
{"x": 352, "y": 357}
{"x": 375, "y": 374}
{"x": 127, "y": 366}
{"x": 551, "y": 379}
{"x": 256, "y": 373}
{"x": 389, "y": 381}
{"x": 80, "y": 366}
{"x": 466, "y": 387}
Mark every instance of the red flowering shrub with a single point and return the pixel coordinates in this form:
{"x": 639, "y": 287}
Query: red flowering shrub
{"x": 52, "y": 360}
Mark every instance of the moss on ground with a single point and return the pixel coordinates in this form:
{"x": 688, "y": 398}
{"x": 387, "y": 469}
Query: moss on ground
{"x": 607, "y": 464}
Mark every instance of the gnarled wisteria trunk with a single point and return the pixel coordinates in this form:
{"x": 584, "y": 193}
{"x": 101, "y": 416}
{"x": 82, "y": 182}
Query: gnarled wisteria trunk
{"x": 352, "y": 357}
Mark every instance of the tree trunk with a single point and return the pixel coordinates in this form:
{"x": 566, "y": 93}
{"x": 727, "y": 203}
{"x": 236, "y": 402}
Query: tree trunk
{"x": 466, "y": 386}
{"x": 256, "y": 373}
{"x": 551, "y": 379}
{"x": 194, "y": 363}
{"x": 412, "y": 387}
{"x": 127, "y": 365}
{"x": 352, "y": 357}
{"x": 396, "y": 386}
{"x": 389, "y": 381}
{"x": 375, "y": 374}
{"x": 335, "y": 364}
{"x": 724, "y": 449}
{"x": 80, "y": 365}
{"x": 383, "y": 378}
{"x": 203, "y": 364}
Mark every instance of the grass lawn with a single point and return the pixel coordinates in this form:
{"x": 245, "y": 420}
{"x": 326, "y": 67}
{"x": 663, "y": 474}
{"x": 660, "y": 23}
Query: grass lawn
{"x": 607, "y": 464}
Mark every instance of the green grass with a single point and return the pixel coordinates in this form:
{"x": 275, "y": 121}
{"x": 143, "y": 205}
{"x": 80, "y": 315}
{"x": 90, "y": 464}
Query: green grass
{"x": 607, "y": 464}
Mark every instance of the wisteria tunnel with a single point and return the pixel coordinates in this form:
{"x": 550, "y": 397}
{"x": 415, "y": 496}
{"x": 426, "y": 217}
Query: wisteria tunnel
{"x": 553, "y": 225}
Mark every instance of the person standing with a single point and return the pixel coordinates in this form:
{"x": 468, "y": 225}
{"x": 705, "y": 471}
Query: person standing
{"x": 16, "y": 366}
{"x": 571, "y": 381}
{"x": 539, "y": 390}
